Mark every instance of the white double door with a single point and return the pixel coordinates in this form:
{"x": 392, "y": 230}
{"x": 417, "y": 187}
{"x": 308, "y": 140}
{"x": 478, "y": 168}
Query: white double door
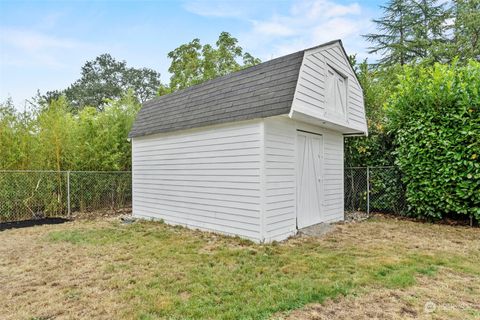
{"x": 309, "y": 179}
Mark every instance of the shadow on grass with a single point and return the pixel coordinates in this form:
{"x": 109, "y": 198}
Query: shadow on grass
{"x": 31, "y": 223}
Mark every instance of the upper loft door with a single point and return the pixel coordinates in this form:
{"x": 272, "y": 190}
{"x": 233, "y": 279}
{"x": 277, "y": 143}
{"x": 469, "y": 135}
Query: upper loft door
{"x": 309, "y": 179}
{"x": 328, "y": 93}
{"x": 335, "y": 95}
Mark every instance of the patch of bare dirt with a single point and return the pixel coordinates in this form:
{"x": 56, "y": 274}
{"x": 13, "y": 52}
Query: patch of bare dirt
{"x": 101, "y": 214}
{"x": 448, "y": 295}
{"x": 356, "y": 216}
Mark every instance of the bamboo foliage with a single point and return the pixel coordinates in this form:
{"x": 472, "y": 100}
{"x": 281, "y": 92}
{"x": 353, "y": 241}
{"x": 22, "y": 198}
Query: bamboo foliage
{"x": 50, "y": 137}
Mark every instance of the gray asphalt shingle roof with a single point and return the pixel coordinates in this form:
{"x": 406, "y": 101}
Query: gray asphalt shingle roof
{"x": 261, "y": 91}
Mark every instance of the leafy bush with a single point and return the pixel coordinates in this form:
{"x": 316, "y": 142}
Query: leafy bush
{"x": 376, "y": 149}
{"x": 386, "y": 190}
{"x": 435, "y": 114}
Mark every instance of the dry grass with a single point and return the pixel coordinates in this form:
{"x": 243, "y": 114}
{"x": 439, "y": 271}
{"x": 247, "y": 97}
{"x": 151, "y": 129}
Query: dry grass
{"x": 102, "y": 269}
{"x": 447, "y": 295}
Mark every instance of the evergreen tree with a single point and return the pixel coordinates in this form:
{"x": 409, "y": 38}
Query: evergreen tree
{"x": 465, "y": 42}
{"x": 410, "y": 30}
{"x": 395, "y": 32}
{"x": 429, "y": 29}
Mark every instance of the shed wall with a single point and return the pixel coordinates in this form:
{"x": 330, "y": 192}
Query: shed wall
{"x": 223, "y": 178}
{"x": 280, "y": 178}
{"x": 206, "y": 178}
{"x": 280, "y": 172}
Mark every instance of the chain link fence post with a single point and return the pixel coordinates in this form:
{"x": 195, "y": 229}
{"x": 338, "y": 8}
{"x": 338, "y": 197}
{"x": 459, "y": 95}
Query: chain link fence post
{"x": 374, "y": 189}
{"x": 368, "y": 190}
{"x": 68, "y": 195}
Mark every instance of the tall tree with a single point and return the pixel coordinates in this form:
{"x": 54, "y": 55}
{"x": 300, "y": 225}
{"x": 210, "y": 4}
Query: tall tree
{"x": 395, "y": 31}
{"x": 429, "y": 29}
{"x": 411, "y": 31}
{"x": 106, "y": 78}
{"x": 194, "y": 63}
{"x": 465, "y": 42}
{"x": 187, "y": 65}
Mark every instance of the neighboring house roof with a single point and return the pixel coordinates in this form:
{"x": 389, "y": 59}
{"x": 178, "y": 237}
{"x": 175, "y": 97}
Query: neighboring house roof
{"x": 264, "y": 90}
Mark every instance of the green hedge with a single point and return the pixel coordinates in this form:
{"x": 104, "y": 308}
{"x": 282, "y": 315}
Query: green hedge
{"x": 435, "y": 115}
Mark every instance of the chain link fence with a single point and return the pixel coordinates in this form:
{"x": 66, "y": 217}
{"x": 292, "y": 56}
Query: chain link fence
{"x": 39, "y": 194}
{"x": 28, "y": 195}
{"x": 374, "y": 189}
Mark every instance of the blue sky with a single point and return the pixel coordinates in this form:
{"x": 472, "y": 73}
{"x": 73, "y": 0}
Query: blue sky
{"x": 43, "y": 44}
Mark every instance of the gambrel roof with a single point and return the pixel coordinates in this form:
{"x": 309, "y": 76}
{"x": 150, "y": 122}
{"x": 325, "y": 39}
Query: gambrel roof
{"x": 261, "y": 91}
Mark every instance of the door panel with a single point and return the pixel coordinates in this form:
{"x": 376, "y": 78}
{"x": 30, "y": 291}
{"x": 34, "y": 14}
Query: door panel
{"x": 309, "y": 179}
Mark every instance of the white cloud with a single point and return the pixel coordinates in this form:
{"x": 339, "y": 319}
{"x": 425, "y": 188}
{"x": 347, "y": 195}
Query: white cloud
{"x": 301, "y": 24}
{"x": 272, "y": 28}
{"x": 32, "y": 41}
{"x": 319, "y": 9}
{"x": 336, "y": 28}
{"x": 21, "y": 47}
{"x": 311, "y": 22}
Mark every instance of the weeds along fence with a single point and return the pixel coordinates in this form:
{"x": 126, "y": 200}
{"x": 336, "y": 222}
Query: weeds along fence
{"x": 374, "y": 189}
{"x": 38, "y": 194}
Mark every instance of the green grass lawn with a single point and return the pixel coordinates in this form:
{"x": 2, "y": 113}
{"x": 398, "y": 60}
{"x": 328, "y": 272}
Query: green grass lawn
{"x": 149, "y": 270}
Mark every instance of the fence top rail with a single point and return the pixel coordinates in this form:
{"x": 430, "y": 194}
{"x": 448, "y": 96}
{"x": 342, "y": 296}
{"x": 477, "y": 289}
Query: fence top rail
{"x": 61, "y": 171}
{"x": 373, "y": 167}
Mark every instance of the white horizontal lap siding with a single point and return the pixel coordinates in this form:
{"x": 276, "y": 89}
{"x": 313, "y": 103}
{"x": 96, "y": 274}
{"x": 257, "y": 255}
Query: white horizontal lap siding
{"x": 280, "y": 178}
{"x": 333, "y": 176}
{"x": 207, "y": 178}
{"x": 310, "y": 92}
{"x": 311, "y": 87}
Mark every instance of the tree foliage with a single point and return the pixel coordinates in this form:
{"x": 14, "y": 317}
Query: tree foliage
{"x": 53, "y": 138}
{"x": 465, "y": 41}
{"x": 426, "y": 31}
{"x": 193, "y": 63}
{"x": 14, "y": 137}
{"x": 377, "y": 148}
{"x": 104, "y": 79}
{"x": 53, "y": 135}
{"x": 103, "y": 135}
{"x": 408, "y": 106}
{"x": 394, "y": 33}
{"x": 435, "y": 114}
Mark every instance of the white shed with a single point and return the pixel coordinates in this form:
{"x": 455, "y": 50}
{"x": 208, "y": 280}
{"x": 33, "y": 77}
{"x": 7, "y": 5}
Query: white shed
{"x": 257, "y": 153}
